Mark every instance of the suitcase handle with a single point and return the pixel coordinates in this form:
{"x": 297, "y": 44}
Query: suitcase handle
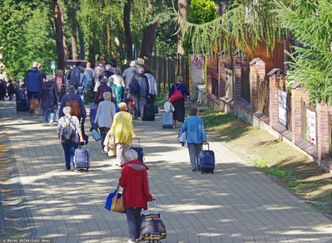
{"x": 139, "y": 141}
{"x": 154, "y": 210}
{"x": 206, "y": 143}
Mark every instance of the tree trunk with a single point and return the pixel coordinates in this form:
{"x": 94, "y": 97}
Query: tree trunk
{"x": 74, "y": 45}
{"x": 126, "y": 23}
{"x": 149, "y": 39}
{"x": 82, "y": 47}
{"x": 57, "y": 15}
{"x": 92, "y": 49}
{"x": 183, "y": 8}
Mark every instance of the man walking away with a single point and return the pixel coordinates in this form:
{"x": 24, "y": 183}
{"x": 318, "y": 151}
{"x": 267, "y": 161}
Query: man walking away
{"x": 143, "y": 94}
{"x": 75, "y": 75}
{"x": 128, "y": 75}
{"x": 33, "y": 81}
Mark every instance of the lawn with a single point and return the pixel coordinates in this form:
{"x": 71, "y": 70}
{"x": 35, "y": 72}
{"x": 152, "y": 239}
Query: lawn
{"x": 284, "y": 163}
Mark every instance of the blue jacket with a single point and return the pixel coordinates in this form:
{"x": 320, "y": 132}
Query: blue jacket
{"x": 33, "y": 80}
{"x": 75, "y": 76}
{"x": 194, "y": 127}
{"x": 72, "y": 96}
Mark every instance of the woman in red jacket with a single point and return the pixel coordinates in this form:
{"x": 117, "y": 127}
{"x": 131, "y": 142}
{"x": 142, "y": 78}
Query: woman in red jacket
{"x": 135, "y": 183}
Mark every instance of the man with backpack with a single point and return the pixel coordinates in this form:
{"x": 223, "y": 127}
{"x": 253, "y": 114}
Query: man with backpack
{"x": 74, "y": 101}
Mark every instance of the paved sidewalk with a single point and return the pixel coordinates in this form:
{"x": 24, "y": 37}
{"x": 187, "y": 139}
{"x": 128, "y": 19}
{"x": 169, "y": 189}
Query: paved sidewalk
{"x": 236, "y": 204}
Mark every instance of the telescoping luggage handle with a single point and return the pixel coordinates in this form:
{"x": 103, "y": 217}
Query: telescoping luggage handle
{"x": 84, "y": 144}
{"x": 154, "y": 210}
{"x": 139, "y": 141}
{"x": 208, "y": 144}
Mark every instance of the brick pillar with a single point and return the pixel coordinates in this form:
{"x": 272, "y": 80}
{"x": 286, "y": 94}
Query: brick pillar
{"x": 322, "y": 131}
{"x": 238, "y": 76}
{"x": 274, "y": 77}
{"x": 223, "y": 60}
{"x": 257, "y": 74}
{"x": 297, "y": 114}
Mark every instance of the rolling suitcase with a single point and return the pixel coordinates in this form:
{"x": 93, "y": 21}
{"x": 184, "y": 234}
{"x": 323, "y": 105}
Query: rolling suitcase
{"x": 167, "y": 120}
{"x": 206, "y": 160}
{"x": 138, "y": 149}
{"x": 149, "y": 112}
{"x": 82, "y": 158}
{"x": 21, "y": 101}
{"x": 153, "y": 228}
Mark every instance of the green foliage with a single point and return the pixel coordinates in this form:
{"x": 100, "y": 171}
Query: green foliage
{"x": 166, "y": 41}
{"x": 310, "y": 22}
{"x": 25, "y": 35}
{"x": 243, "y": 24}
{"x": 200, "y": 11}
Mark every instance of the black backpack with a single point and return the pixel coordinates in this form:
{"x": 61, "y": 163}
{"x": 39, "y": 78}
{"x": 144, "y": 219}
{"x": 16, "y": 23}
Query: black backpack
{"x": 68, "y": 134}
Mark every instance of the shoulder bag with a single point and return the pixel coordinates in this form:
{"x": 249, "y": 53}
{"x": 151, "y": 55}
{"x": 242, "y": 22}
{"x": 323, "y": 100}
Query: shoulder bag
{"x": 177, "y": 95}
{"x": 118, "y": 202}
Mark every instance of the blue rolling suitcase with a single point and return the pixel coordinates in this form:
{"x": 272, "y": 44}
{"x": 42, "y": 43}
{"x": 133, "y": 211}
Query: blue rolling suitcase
{"x": 82, "y": 158}
{"x": 138, "y": 149}
{"x": 167, "y": 120}
{"x": 206, "y": 160}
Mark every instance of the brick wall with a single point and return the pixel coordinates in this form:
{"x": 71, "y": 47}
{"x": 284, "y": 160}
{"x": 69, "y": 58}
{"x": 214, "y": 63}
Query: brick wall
{"x": 322, "y": 131}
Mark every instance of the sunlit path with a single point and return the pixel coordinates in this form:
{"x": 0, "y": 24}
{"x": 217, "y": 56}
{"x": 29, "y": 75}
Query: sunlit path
{"x": 236, "y": 204}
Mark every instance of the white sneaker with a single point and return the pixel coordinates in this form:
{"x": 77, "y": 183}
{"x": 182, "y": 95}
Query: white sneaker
{"x": 130, "y": 241}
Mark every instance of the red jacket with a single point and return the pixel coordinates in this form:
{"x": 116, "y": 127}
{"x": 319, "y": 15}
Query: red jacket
{"x": 134, "y": 180}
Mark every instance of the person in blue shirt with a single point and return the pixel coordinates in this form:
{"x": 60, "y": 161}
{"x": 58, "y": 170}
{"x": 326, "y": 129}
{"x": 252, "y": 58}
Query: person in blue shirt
{"x": 196, "y": 136}
{"x": 33, "y": 81}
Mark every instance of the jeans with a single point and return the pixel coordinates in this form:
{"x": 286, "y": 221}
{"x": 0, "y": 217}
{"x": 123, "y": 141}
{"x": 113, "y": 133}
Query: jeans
{"x": 103, "y": 133}
{"x": 134, "y": 222}
{"x": 69, "y": 149}
{"x": 48, "y": 116}
{"x": 194, "y": 150}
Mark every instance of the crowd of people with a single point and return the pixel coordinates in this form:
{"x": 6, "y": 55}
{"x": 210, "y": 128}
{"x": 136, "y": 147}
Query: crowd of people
{"x": 117, "y": 98}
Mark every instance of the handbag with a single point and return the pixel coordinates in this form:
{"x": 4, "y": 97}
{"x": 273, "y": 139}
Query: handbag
{"x": 177, "y": 95}
{"x": 118, "y": 202}
{"x": 96, "y": 135}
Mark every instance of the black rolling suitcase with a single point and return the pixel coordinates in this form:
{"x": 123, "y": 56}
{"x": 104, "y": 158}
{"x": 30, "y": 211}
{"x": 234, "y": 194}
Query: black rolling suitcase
{"x": 207, "y": 160}
{"x": 137, "y": 148}
{"x": 149, "y": 112}
{"x": 21, "y": 101}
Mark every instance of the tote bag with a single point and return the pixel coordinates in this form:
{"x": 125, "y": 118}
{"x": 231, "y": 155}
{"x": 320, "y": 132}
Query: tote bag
{"x": 118, "y": 203}
{"x": 177, "y": 95}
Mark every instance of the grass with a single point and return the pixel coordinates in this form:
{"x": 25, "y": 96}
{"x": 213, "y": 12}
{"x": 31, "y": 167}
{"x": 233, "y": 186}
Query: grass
{"x": 284, "y": 163}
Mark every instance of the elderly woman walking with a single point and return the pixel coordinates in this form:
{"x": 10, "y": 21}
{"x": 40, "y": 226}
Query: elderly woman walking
{"x": 179, "y": 112}
{"x": 123, "y": 131}
{"x": 104, "y": 116}
{"x": 69, "y": 131}
{"x": 196, "y": 136}
{"x": 135, "y": 183}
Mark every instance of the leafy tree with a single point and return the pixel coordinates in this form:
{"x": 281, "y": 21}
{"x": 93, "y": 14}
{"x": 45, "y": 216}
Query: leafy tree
{"x": 200, "y": 11}
{"x": 25, "y": 35}
{"x": 242, "y": 23}
{"x": 310, "y": 22}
